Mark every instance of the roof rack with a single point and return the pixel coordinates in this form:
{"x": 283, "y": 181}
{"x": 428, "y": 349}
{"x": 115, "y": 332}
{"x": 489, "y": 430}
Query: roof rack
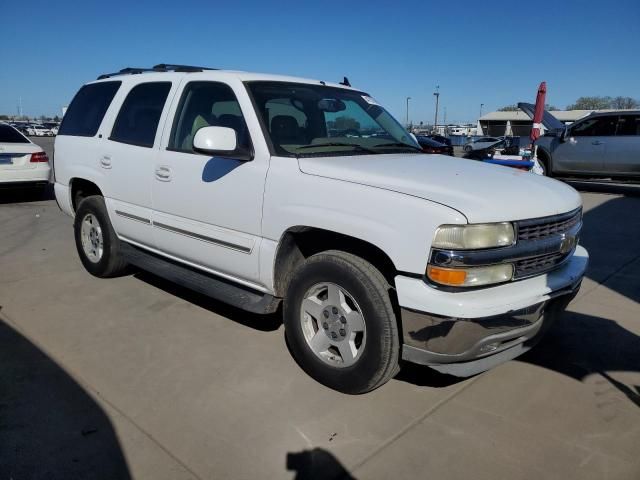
{"x": 161, "y": 67}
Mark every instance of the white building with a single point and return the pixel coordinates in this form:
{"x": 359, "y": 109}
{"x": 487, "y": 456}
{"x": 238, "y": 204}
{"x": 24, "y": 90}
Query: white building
{"x": 519, "y": 124}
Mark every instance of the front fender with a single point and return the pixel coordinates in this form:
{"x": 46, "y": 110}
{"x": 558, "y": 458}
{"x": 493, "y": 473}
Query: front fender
{"x": 400, "y": 225}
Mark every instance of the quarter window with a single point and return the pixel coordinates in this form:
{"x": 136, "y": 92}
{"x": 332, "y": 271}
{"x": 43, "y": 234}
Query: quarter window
{"x": 207, "y": 104}
{"x": 139, "y": 115}
{"x": 87, "y": 109}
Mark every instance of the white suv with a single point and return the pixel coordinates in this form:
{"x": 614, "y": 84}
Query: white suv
{"x": 260, "y": 190}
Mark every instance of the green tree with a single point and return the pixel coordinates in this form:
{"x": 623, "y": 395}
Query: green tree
{"x": 624, "y": 103}
{"x": 591, "y": 103}
{"x": 509, "y": 108}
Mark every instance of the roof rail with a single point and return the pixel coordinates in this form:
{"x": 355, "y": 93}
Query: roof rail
{"x": 161, "y": 67}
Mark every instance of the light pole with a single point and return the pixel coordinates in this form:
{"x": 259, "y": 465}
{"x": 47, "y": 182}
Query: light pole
{"x": 407, "y": 123}
{"x": 437, "y": 95}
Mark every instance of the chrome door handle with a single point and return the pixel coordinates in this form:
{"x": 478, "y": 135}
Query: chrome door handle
{"x": 163, "y": 174}
{"x": 597, "y": 142}
{"x": 105, "y": 161}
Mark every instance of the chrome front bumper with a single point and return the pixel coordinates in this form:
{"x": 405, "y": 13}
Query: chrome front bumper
{"x": 465, "y": 347}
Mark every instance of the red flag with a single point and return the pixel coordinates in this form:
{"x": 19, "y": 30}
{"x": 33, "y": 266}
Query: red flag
{"x": 538, "y": 112}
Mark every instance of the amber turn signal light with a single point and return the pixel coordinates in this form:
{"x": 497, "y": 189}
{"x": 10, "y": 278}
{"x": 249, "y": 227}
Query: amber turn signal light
{"x": 446, "y": 276}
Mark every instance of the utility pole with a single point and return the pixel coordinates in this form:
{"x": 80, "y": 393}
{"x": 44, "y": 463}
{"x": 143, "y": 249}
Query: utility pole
{"x": 407, "y": 123}
{"x": 437, "y": 95}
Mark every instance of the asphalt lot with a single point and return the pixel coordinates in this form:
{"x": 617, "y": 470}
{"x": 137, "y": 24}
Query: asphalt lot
{"x": 137, "y": 378}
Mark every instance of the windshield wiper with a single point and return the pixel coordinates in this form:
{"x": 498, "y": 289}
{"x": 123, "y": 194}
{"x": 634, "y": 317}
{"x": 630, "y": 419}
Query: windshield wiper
{"x": 356, "y": 146}
{"x": 398, "y": 144}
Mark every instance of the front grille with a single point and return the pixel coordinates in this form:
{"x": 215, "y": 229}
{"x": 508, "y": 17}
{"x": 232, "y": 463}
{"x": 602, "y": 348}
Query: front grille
{"x": 539, "y": 228}
{"x": 537, "y": 265}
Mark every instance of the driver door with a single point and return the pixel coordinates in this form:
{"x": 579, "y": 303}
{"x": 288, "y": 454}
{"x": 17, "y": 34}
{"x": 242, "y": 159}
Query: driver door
{"x": 584, "y": 149}
{"x": 207, "y": 211}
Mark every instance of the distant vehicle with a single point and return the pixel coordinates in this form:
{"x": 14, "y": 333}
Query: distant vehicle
{"x": 440, "y": 138}
{"x": 429, "y": 145}
{"x": 39, "y": 131}
{"x": 481, "y": 143}
{"x": 605, "y": 144}
{"x": 21, "y": 161}
{"x": 52, "y": 126}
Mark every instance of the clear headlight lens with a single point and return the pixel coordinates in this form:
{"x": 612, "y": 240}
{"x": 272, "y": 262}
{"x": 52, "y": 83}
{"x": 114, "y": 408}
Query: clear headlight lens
{"x": 474, "y": 236}
{"x": 470, "y": 276}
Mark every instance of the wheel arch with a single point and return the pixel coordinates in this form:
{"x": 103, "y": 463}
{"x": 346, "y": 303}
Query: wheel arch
{"x": 81, "y": 188}
{"x": 300, "y": 242}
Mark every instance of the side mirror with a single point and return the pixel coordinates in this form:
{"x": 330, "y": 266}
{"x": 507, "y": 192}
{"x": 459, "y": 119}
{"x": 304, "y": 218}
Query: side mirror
{"x": 221, "y": 141}
{"x": 564, "y": 135}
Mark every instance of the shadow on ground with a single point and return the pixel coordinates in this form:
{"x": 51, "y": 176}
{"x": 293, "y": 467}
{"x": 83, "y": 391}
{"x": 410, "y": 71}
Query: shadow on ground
{"x": 49, "y": 427}
{"x": 26, "y": 194}
{"x": 316, "y": 464}
{"x": 579, "y": 345}
{"x": 264, "y": 323}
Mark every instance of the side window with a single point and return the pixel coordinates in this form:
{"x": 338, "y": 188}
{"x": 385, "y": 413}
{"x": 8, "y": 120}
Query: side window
{"x": 595, "y": 127}
{"x": 139, "y": 115}
{"x": 207, "y": 104}
{"x": 628, "y": 125}
{"x": 87, "y": 109}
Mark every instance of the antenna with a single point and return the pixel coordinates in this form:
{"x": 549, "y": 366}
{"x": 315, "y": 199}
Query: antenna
{"x": 345, "y": 82}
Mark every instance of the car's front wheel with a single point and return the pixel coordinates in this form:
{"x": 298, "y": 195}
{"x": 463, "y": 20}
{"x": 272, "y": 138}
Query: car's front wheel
{"x": 96, "y": 241}
{"x": 340, "y": 322}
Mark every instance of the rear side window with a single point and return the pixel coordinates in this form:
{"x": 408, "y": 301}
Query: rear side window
{"x": 628, "y": 125}
{"x": 9, "y": 134}
{"x": 139, "y": 116}
{"x": 87, "y": 109}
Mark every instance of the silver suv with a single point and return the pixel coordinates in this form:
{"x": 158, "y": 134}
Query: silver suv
{"x": 600, "y": 144}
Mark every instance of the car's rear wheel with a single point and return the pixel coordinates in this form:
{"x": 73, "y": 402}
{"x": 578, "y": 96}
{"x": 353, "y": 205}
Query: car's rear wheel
{"x": 96, "y": 241}
{"x": 340, "y": 322}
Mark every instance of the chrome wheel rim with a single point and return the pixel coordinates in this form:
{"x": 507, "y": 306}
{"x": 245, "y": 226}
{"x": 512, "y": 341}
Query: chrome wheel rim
{"x": 91, "y": 237}
{"x": 333, "y": 324}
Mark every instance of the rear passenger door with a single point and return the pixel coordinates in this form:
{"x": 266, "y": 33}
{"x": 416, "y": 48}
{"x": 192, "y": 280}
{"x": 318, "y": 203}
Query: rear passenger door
{"x": 128, "y": 157}
{"x": 208, "y": 210}
{"x": 623, "y": 151}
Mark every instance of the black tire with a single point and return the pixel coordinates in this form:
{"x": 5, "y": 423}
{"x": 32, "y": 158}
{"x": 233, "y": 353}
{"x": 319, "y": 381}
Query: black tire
{"x": 378, "y": 362}
{"x": 111, "y": 263}
{"x": 467, "y": 148}
{"x": 543, "y": 160}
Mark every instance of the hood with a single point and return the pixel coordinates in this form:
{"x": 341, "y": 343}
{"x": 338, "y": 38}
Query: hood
{"x": 480, "y": 191}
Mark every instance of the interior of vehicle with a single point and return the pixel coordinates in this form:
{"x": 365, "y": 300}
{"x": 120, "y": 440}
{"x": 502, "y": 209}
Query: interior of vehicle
{"x": 304, "y": 119}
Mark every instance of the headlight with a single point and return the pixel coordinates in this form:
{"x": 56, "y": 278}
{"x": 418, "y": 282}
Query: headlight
{"x": 470, "y": 276}
{"x": 474, "y": 236}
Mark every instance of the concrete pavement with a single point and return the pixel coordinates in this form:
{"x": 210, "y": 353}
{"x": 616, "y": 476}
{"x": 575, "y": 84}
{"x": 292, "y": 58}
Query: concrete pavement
{"x": 137, "y": 378}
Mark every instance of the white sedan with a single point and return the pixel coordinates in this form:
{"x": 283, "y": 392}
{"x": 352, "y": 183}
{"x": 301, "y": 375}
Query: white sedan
{"x": 21, "y": 161}
{"x": 39, "y": 131}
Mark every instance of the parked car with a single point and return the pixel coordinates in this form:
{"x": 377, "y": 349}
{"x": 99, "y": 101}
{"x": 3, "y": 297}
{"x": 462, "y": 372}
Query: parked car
{"x": 39, "y": 131}
{"x": 21, "y": 161}
{"x": 440, "y": 139}
{"x": 481, "y": 143}
{"x": 429, "y": 145}
{"x": 605, "y": 144}
{"x": 52, "y": 126}
{"x": 228, "y": 183}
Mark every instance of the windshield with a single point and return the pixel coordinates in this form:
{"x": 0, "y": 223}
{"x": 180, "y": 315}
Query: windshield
{"x": 316, "y": 120}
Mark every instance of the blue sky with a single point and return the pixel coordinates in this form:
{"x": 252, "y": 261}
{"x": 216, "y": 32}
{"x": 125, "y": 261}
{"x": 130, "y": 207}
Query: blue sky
{"x": 491, "y": 52}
